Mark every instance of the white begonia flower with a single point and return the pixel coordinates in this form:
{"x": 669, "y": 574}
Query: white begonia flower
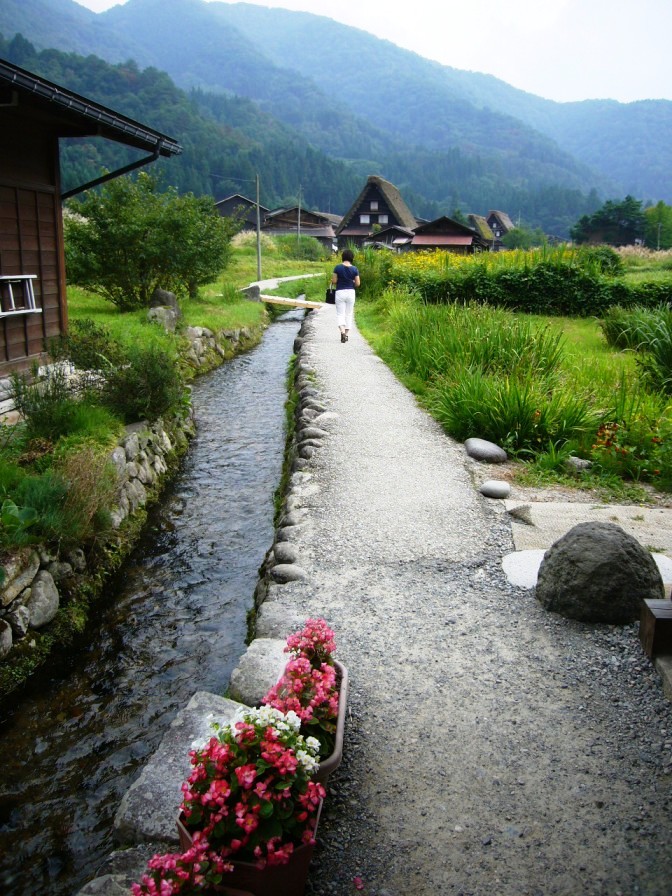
{"x": 306, "y": 760}
{"x": 313, "y": 744}
{"x": 293, "y": 720}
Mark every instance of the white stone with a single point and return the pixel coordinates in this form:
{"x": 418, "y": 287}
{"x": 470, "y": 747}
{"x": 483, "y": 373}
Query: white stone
{"x": 495, "y": 488}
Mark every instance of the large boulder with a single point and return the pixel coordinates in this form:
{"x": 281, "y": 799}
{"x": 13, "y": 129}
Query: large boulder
{"x": 598, "y": 573}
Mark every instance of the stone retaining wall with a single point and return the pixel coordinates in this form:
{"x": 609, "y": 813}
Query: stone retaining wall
{"x": 37, "y": 579}
{"x": 31, "y": 595}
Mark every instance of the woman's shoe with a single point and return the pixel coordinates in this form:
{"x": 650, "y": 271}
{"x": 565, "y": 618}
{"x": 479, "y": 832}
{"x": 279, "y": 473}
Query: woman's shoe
{"x": 344, "y": 338}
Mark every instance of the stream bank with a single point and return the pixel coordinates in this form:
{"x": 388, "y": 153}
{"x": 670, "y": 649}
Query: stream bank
{"x": 176, "y": 620}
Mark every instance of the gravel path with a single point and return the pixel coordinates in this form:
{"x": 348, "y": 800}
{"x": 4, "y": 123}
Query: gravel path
{"x": 491, "y": 748}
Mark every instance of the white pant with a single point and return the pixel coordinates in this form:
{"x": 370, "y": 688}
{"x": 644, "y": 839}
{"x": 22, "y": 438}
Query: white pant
{"x": 345, "y": 303}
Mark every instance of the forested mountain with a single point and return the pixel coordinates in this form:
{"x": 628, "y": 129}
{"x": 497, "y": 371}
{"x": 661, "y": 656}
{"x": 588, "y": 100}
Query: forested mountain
{"x": 222, "y": 152}
{"x": 304, "y": 87}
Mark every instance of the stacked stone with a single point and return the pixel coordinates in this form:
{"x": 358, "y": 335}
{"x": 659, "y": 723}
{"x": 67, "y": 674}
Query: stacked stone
{"x": 29, "y": 597}
{"x": 207, "y": 350}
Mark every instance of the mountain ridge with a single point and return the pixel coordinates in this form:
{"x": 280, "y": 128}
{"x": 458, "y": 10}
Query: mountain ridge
{"x": 381, "y": 109}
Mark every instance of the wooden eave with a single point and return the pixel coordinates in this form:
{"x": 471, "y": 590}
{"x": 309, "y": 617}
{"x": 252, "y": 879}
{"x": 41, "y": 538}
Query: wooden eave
{"x": 68, "y": 114}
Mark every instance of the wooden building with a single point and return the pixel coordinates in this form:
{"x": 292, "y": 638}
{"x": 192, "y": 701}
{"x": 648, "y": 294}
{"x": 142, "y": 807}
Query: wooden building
{"x": 296, "y": 221}
{"x": 395, "y": 237}
{"x": 242, "y": 209}
{"x": 378, "y": 207}
{"x": 500, "y": 224}
{"x": 34, "y": 114}
{"x": 444, "y": 233}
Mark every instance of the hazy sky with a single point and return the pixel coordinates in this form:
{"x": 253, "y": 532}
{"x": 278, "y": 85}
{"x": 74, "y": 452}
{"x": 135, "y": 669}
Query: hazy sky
{"x": 559, "y": 49}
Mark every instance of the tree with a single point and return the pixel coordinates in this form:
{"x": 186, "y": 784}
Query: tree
{"x": 524, "y": 238}
{"x": 615, "y": 223}
{"x": 127, "y": 239}
{"x": 659, "y": 226}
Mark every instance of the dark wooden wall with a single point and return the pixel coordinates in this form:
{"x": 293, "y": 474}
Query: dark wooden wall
{"x": 31, "y": 240}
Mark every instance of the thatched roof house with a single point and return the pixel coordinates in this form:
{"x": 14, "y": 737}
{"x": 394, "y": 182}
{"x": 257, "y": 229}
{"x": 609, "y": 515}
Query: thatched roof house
{"x": 378, "y": 206}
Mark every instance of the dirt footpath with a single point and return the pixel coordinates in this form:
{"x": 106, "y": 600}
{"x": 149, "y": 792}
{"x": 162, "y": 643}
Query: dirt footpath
{"x": 491, "y": 748}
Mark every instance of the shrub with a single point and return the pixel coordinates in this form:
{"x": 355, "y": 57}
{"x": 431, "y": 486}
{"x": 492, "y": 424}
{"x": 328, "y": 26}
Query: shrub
{"x": 656, "y": 361}
{"x": 305, "y": 248}
{"x": 604, "y": 259}
{"x": 146, "y": 387}
{"x": 518, "y": 414}
{"x": 45, "y": 403}
{"x": 634, "y": 438}
{"x": 88, "y": 346}
{"x": 626, "y": 327}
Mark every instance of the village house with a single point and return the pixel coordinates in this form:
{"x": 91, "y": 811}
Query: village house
{"x": 378, "y": 207}
{"x": 34, "y": 114}
{"x": 500, "y": 224}
{"x": 445, "y": 233}
{"x": 241, "y": 208}
{"x": 297, "y": 221}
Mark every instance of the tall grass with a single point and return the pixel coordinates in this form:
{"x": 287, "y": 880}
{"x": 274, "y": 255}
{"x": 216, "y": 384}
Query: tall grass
{"x": 649, "y": 333}
{"x": 433, "y": 340}
{"x": 518, "y": 413}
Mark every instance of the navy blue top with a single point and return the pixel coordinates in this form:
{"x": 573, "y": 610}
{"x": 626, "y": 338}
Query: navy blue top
{"x": 346, "y": 275}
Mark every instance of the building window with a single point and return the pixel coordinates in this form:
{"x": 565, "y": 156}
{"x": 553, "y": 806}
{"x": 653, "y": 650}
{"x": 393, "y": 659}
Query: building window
{"x": 365, "y": 219}
{"x": 374, "y": 205}
{"x": 382, "y": 219}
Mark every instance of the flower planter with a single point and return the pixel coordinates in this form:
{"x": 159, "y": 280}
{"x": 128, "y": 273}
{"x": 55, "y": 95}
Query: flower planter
{"x": 273, "y": 880}
{"x": 331, "y": 762}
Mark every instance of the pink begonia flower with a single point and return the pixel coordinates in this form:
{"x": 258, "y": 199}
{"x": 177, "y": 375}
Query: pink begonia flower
{"x": 358, "y": 882}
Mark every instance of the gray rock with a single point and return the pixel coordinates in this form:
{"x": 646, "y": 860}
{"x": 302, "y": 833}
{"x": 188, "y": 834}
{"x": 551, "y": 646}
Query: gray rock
{"x": 107, "y": 885}
{"x": 522, "y": 514}
{"x": 288, "y": 572}
{"x": 313, "y": 432}
{"x": 285, "y": 552}
{"x": 131, "y": 445}
{"x": 495, "y": 488}
{"x": 577, "y": 464}
{"x": 480, "y": 449}
{"x": 165, "y": 317}
{"x": 59, "y": 570}
{"x": 258, "y": 670}
{"x": 77, "y": 559}
{"x": 44, "y": 600}
{"x": 19, "y": 619}
{"x": 598, "y": 573}
{"x": 288, "y": 533}
{"x": 149, "y": 808}
{"x": 20, "y": 571}
{"x": 293, "y": 518}
{"x": 6, "y": 638}
{"x": 161, "y": 298}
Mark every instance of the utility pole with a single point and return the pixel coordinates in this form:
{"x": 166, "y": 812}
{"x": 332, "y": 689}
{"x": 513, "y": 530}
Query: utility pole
{"x": 298, "y": 221}
{"x": 660, "y": 224}
{"x": 258, "y": 233}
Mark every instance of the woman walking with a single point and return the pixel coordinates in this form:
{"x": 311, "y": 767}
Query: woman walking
{"x": 345, "y": 278}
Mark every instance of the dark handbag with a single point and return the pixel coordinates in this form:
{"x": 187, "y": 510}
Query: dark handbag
{"x": 330, "y": 297}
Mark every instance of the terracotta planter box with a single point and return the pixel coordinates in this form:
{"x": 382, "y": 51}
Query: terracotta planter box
{"x": 274, "y": 880}
{"x": 331, "y": 762}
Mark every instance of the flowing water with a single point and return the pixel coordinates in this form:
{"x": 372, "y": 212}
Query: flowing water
{"x": 176, "y": 624}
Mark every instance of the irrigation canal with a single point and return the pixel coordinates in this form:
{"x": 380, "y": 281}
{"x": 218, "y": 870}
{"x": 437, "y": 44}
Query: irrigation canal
{"x": 73, "y": 744}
